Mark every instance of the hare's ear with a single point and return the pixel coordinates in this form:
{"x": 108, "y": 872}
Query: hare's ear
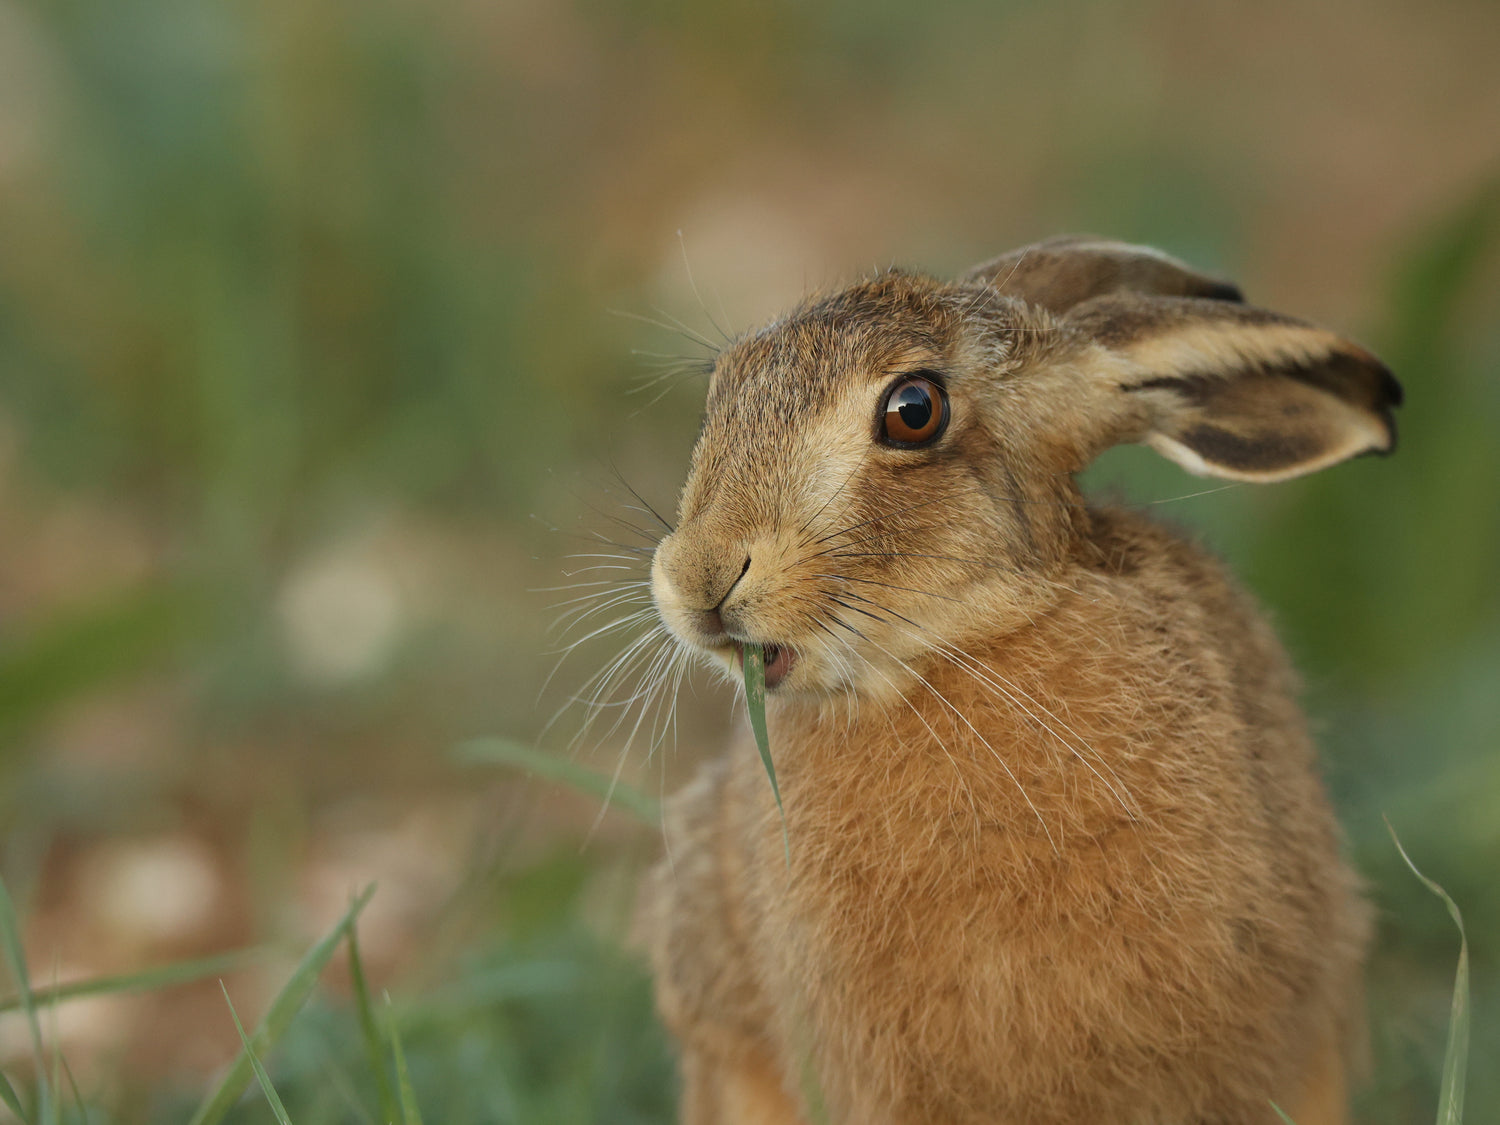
{"x": 1231, "y": 391}
{"x": 1062, "y": 272}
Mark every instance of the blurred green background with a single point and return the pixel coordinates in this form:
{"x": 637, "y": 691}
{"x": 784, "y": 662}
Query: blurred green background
{"x": 319, "y": 322}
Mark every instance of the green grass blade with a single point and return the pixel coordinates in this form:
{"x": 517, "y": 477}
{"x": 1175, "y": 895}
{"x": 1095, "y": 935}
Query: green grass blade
{"x": 288, "y": 1003}
{"x": 755, "y": 702}
{"x": 410, "y": 1115}
{"x": 515, "y": 755}
{"x": 83, "y": 646}
{"x": 83, "y": 1109}
{"x": 1456, "y": 1057}
{"x": 812, "y": 1090}
{"x": 340, "y": 1084}
{"x": 260, "y": 1072}
{"x": 15, "y": 953}
{"x": 1281, "y": 1113}
{"x": 12, "y": 1102}
{"x": 54, "y": 1117}
{"x": 374, "y": 1047}
{"x": 181, "y": 972}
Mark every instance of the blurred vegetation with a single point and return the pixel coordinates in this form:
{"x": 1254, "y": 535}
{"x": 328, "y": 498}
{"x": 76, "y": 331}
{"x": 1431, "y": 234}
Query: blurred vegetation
{"x": 306, "y": 342}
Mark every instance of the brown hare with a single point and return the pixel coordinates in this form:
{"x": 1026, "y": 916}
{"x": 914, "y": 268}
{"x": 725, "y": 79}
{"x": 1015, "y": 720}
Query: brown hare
{"x": 1059, "y": 850}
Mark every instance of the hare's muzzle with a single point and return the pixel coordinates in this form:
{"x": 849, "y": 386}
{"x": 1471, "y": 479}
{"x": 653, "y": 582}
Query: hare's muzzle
{"x": 719, "y": 593}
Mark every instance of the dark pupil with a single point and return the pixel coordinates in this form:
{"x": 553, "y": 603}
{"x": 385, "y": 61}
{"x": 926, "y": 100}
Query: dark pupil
{"x": 914, "y": 405}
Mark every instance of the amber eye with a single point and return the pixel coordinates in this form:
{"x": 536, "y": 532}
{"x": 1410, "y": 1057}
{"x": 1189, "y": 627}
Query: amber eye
{"x": 915, "y": 412}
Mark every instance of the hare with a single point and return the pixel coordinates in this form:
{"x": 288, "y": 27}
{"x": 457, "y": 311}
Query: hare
{"x": 1058, "y": 847}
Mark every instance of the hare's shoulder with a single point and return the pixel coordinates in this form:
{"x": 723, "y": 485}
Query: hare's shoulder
{"x": 1144, "y": 576}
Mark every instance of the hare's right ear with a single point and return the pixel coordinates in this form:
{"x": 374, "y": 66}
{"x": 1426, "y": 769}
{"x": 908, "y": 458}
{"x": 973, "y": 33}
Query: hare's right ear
{"x": 1222, "y": 389}
{"x": 1062, "y": 272}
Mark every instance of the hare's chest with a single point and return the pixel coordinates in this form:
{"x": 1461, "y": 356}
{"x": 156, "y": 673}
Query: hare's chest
{"x": 963, "y": 986}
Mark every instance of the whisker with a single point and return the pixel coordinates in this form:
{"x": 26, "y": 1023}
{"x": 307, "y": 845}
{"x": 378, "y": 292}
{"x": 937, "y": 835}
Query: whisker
{"x": 887, "y": 585}
{"x": 611, "y": 585}
{"x": 638, "y": 702}
{"x": 983, "y": 673}
{"x": 617, "y": 623}
{"x": 692, "y": 284}
{"x": 995, "y": 753}
{"x": 677, "y": 328}
{"x": 594, "y": 538}
{"x": 936, "y": 498}
{"x": 962, "y": 780}
{"x": 632, "y": 566}
{"x": 842, "y": 484}
{"x": 573, "y": 586}
{"x": 572, "y": 618}
{"x": 1203, "y": 492}
{"x": 837, "y": 620}
{"x": 602, "y": 555}
{"x": 598, "y": 682}
{"x": 917, "y": 555}
{"x": 856, "y": 609}
{"x": 645, "y": 504}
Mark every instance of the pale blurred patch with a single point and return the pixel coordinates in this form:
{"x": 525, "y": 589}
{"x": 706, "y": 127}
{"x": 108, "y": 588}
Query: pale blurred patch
{"x": 341, "y": 614}
{"x": 166, "y": 889}
{"x": 80, "y": 1027}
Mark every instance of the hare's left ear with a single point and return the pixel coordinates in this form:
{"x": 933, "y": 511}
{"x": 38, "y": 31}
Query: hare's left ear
{"x": 1060, "y": 273}
{"x": 1231, "y": 391}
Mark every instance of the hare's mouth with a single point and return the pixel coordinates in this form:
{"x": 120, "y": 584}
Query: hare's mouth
{"x": 779, "y": 660}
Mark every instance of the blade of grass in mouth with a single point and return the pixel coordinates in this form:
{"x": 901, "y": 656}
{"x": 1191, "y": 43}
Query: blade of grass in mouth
{"x": 755, "y": 700}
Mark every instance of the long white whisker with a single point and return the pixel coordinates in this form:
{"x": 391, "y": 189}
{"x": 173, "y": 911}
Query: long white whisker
{"x": 572, "y": 618}
{"x": 600, "y": 680}
{"x": 968, "y": 789}
{"x": 573, "y": 586}
{"x": 651, "y": 685}
{"x": 964, "y": 719}
{"x": 1008, "y": 688}
{"x": 982, "y": 673}
{"x": 619, "y": 623}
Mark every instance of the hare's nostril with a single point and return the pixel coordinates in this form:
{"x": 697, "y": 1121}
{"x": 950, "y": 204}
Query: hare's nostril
{"x": 711, "y": 620}
{"x": 720, "y": 604}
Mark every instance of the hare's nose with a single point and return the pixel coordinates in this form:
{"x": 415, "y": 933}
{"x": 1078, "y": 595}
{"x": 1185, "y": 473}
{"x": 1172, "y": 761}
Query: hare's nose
{"x": 700, "y": 578}
{"x": 712, "y": 620}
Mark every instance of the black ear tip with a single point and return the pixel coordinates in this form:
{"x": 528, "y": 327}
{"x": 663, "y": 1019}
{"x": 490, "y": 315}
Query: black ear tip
{"x": 1392, "y": 395}
{"x": 1222, "y": 291}
{"x": 1391, "y": 387}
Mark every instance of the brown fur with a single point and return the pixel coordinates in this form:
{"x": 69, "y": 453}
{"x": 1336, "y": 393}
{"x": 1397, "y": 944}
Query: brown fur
{"x": 1058, "y": 848}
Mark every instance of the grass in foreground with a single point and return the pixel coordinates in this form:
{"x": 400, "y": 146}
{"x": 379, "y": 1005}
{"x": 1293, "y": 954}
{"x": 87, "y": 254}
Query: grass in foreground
{"x": 553, "y": 1028}
{"x": 1456, "y": 1056}
{"x": 548, "y": 1023}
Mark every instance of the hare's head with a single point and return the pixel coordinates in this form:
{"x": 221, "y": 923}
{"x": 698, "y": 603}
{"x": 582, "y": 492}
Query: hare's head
{"x": 889, "y": 470}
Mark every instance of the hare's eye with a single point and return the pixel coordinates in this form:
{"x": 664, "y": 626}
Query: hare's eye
{"x": 915, "y": 412}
